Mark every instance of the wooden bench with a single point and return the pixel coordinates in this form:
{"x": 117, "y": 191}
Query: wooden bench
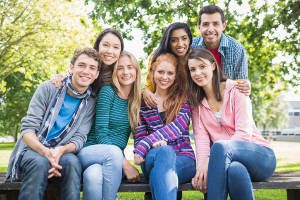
{"x": 289, "y": 181}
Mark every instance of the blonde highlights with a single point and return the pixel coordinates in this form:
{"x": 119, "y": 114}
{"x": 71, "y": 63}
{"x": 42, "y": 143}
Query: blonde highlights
{"x": 135, "y": 95}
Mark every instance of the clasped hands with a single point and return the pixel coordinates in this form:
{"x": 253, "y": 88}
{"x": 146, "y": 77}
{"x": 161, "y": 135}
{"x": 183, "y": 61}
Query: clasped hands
{"x": 54, "y": 155}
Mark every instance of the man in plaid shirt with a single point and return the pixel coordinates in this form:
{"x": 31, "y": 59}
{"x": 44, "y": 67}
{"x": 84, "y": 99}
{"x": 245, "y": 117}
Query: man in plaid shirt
{"x": 229, "y": 53}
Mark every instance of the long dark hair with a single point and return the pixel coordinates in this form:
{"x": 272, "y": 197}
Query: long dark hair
{"x": 164, "y": 45}
{"x": 196, "y": 93}
{"x": 99, "y": 81}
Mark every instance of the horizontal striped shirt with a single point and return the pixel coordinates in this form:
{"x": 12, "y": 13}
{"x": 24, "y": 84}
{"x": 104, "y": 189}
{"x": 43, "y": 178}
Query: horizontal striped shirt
{"x": 233, "y": 56}
{"x": 151, "y": 129}
{"x": 111, "y": 125}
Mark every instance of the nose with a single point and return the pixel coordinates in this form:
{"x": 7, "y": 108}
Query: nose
{"x": 180, "y": 42}
{"x": 110, "y": 49}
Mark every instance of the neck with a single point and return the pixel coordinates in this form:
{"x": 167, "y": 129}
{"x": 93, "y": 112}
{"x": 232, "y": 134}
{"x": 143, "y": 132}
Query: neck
{"x": 78, "y": 89}
{"x": 125, "y": 91}
{"x": 209, "y": 92}
{"x": 161, "y": 93}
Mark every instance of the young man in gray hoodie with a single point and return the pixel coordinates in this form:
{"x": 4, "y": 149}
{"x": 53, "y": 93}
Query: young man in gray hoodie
{"x": 54, "y": 129}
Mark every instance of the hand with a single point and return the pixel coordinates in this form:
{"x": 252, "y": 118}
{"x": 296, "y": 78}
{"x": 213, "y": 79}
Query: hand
{"x": 244, "y": 86}
{"x": 138, "y": 159}
{"x": 149, "y": 98}
{"x": 130, "y": 171}
{"x": 57, "y": 80}
{"x": 56, "y": 154}
{"x": 159, "y": 143}
{"x": 199, "y": 180}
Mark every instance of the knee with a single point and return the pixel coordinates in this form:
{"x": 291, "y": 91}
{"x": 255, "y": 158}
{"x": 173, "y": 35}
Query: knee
{"x": 116, "y": 155}
{"x": 71, "y": 162}
{"x": 93, "y": 175}
{"x": 219, "y": 147}
{"x": 165, "y": 151}
{"x": 40, "y": 165}
{"x": 237, "y": 171}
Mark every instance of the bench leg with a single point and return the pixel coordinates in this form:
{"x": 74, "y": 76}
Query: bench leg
{"x": 9, "y": 195}
{"x": 293, "y": 194}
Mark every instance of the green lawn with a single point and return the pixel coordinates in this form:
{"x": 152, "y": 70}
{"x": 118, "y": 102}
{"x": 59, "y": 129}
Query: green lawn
{"x": 5, "y": 148}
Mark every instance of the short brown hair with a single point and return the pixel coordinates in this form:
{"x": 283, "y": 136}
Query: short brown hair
{"x": 211, "y": 9}
{"x": 90, "y": 52}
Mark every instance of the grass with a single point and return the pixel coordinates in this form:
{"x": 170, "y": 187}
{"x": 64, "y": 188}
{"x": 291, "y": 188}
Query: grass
{"x": 269, "y": 194}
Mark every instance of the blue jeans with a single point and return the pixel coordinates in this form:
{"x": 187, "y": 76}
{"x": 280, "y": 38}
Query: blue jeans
{"x": 35, "y": 176}
{"x": 165, "y": 171}
{"x": 232, "y": 166}
{"x": 102, "y": 165}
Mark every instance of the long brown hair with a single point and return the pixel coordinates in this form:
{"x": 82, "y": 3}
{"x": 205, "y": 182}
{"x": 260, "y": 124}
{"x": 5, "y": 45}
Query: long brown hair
{"x": 135, "y": 95}
{"x": 176, "y": 94}
{"x": 196, "y": 93}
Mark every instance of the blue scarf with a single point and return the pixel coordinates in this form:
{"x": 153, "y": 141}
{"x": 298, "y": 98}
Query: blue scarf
{"x": 56, "y": 106}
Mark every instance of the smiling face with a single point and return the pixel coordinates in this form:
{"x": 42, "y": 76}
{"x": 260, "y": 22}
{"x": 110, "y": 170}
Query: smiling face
{"x": 109, "y": 49}
{"x": 126, "y": 72}
{"x": 211, "y": 28}
{"x": 164, "y": 75}
{"x": 84, "y": 72}
{"x": 179, "y": 42}
{"x": 201, "y": 71}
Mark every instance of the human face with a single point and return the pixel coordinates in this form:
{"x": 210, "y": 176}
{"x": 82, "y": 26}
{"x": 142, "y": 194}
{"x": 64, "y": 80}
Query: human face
{"x": 126, "y": 72}
{"x": 84, "y": 72}
{"x": 164, "y": 75}
{"x": 109, "y": 49}
{"x": 211, "y": 29}
{"x": 201, "y": 71}
{"x": 179, "y": 42}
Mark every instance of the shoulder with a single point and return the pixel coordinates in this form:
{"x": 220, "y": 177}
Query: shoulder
{"x": 46, "y": 89}
{"x": 107, "y": 90}
{"x": 196, "y": 42}
{"x": 232, "y": 42}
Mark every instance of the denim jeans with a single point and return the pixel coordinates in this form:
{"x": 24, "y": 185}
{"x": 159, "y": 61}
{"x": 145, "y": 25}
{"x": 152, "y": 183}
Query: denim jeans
{"x": 35, "y": 176}
{"x": 165, "y": 171}
{"x": 232, "y": 166}
{"x": 102, "y": 165}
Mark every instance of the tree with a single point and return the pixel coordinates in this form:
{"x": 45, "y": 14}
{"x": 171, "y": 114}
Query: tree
{"x": 257, "y": 29}
{"x": 37, "y": 39}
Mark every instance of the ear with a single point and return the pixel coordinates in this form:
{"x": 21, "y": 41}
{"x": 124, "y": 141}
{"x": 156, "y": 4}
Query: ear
{"x": 71, "y": 69}
{"x": 214, "y": 66}
{"x": 224, "y": 25}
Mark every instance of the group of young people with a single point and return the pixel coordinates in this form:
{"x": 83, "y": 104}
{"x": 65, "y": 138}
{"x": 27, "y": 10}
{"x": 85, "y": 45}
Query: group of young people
{"x": 80, "y": 127}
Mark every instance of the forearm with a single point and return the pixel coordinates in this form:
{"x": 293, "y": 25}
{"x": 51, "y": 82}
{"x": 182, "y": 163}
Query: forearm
{"x": 32, "y": 141}
{"x": 68, "y": 148}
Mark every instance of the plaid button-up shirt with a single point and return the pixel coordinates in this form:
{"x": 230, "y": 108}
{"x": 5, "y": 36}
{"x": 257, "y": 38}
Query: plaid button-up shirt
{"x": 233, "y": 56}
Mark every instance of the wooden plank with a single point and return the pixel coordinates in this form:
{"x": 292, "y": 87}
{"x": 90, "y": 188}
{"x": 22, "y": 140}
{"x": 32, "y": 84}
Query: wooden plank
{"x": 293, "y": 194}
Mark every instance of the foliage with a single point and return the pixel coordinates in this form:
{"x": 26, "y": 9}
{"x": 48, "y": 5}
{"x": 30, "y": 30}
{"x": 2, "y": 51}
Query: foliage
{"x": 268, "y": 30}
{"x": 37, "y": 38}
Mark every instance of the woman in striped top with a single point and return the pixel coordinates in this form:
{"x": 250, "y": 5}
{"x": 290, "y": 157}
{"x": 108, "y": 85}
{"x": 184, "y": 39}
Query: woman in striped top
{"x": 222, "y": 115}
{"x": 117, "y": 109}
{"x": 162, "y": 144}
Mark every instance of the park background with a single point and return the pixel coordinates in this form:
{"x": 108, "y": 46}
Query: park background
{"x": 38, "y": 37}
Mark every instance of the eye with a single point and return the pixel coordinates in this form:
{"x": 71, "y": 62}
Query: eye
{"x": 170, "y": 73}
{"x": 173, "y": 40}
{"x": 120, "y": 67}
{"x": 192, "y": 69}
{"x": 160, "y": 71}
{"x": 205, "y": 24}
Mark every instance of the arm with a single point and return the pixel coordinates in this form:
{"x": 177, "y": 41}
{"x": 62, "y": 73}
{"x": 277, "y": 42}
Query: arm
{"x": 149, "y": 84}
{"x": 202, "y": 144}
{"x": 242, "y": 115}
{"x": 202, "y": 140}
{"x": 241, "y": 64}
{"x": 169, "y": 132}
